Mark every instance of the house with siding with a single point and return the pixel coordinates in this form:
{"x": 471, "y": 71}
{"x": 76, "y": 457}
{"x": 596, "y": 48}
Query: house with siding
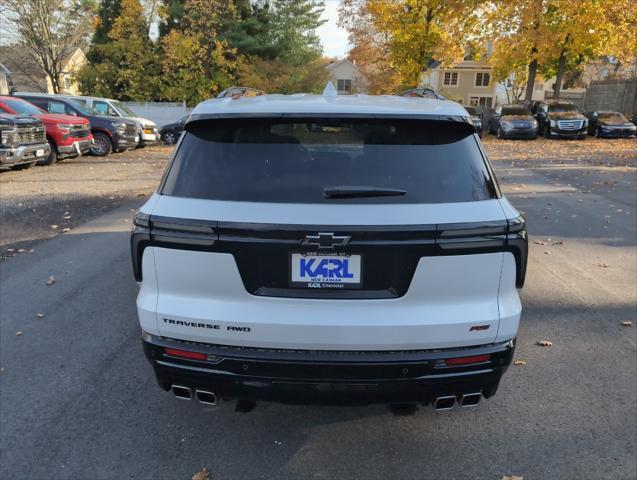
{"x": 469, "y": 82}
{"x": 28, "y": 76}
{"x": 346, "y": 77}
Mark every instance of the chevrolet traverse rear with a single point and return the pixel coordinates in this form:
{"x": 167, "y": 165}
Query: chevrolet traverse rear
{"x": 329, "y": 249}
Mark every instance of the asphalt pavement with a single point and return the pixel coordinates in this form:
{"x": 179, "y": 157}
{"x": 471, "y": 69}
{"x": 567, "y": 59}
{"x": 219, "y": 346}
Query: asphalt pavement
{"x": 79, "y": 401}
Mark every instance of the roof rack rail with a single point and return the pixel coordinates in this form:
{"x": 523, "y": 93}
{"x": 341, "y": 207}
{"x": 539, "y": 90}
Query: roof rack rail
{"x": 238, "y": 92}
{"x": 421, "y": 93}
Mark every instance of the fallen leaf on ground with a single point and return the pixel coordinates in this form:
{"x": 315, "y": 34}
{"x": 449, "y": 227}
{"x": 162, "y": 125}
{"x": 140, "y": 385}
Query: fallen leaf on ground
{"x": 519, "y": 362}
{"x": 201, "y": 475}
{"x": 55, "y": 227}
{"x": 558, "y": 243}
{"x": 39, "y": 315}
{"x": 21, "y": 250}
{"x": 512, "y": 477}
{"x": 603, "y": 265}
{"x": 627, "y": 323}
{"x": 64, "y": 230}
{"x": 547, "y": 253}
{"x": 17, "y": 334}
{"x": 537, "y": 242}
{"x": 50, "y": 281}
{"x": 545, "y": 343}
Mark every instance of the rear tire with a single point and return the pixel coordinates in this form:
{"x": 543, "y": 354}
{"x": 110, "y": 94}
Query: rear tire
{"x": 53, "y": 156}
{"x": 102, "y": 145}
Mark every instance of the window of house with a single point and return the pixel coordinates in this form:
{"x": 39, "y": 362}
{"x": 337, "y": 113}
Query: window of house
{"x": 67, "y": 84}
{"x": 483, "y": 79}
{"x": 450, "y": 79}
{"x": 344, "y": 85}
{"x": 481, "y": 101}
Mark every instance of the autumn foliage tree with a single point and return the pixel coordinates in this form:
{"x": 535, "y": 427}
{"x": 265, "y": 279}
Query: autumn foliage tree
{"x": 125, "y": 65}
{"x": 394, "y": 42}
{"x": 555, "y": 36}
{"x": 47, "y": 33}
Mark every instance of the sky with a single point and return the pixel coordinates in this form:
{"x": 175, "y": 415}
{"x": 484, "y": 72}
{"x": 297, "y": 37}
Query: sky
{"x": 333, "y": 39}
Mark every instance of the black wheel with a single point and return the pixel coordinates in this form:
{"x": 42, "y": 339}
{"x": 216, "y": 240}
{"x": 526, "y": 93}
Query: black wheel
{"x": 24, "y": 166}
{"x": 102, "y": 145}
{"x": 169, "y": 137}
{"x": 53, "y": 156}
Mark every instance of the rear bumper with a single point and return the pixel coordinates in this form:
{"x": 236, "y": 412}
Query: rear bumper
{"x": 328, "y": 377}
{"x": 10, "y": 157}
{"x": 149, "y": 138}
{"x": 78, "y": 147}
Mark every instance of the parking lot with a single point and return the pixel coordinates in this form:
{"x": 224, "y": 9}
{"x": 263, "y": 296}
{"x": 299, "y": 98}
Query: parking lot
{"x": 78, "y": 400}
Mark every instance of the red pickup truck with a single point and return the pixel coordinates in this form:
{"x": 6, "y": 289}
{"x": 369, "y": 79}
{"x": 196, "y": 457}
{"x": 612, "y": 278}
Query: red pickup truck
{"x": 68, "y": 136}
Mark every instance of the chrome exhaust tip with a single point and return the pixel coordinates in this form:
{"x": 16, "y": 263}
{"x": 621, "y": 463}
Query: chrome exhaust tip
{"x": 444, "y": 403}
{"x": 181, "y": 392}
{"x": 208, "y": 398}
{"x": 471, "y": 399}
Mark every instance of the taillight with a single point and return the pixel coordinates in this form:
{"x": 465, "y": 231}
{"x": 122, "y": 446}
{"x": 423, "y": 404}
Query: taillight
{"x": 454, "y": 362}
{"x": 186, "y": 354}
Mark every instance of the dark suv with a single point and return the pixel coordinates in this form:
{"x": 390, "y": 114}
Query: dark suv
{"x": 512, "y": 121}
{"x": 560, "y": 120}
{"x": 108, "y": 134}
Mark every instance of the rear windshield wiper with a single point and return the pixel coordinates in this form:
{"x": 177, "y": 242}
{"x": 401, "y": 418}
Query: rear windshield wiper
{"x": 360, "y": 191}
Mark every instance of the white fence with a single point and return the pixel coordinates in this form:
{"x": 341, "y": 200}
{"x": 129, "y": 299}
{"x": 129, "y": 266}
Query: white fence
{"x": 159, "y": 112}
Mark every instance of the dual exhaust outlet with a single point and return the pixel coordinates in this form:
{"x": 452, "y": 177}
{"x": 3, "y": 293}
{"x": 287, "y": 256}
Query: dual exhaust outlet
{"x": 187, "y": 393}
{"x": 464, "y": 400}
{"x": 440, "y": 403}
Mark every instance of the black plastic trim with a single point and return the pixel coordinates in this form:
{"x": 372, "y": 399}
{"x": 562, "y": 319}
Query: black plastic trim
{"x": 415, "y": 241}
{"x": 304, "y": 376}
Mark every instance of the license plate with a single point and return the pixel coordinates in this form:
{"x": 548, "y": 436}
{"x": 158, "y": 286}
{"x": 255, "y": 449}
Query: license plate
{"x": 39, "y": 152}
{"x": 313, "y": 270}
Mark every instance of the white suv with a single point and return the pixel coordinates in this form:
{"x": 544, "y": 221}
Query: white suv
{"x": 333, "y": 249}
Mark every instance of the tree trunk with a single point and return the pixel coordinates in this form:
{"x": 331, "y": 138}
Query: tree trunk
{"x": 530, "y": 82}
{"x": 561, "y": 67}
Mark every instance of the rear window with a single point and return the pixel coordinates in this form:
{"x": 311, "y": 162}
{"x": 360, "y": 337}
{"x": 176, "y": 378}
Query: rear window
{"x": 303, "y": 161}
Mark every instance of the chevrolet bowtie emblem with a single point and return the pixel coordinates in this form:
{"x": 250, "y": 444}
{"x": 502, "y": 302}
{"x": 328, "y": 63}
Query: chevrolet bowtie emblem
{"x": 326, "y": 240}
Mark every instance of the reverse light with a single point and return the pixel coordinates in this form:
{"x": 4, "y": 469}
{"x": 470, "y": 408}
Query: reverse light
{"x": 185, "y": 354}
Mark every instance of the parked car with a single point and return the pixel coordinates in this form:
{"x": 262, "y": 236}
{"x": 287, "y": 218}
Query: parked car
{"x": 610, "y": 124}
{"x": 557, "y": 119}
{"x": 170, "y": 133}
{"x": 512, "y": 121}
{"x": 475, "y": 119}
{"x": 421, "y": 93}
{"x": 147, "y": 129}
{"x": 22, "y": 141}
{"x": 68, "y": 136}
{"x": 304, "y": 252}
{"x": 108, "y": 134}
{"x": 241, "y": 92}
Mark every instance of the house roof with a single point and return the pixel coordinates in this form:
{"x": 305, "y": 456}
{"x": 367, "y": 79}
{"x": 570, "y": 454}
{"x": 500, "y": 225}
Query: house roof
{"x": 295, "y": 104}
